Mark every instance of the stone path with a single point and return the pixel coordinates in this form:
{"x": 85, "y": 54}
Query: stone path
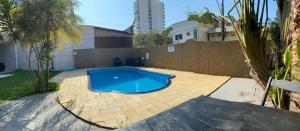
{"x": 39, "y": 113}
{"x": 118, "y": 110}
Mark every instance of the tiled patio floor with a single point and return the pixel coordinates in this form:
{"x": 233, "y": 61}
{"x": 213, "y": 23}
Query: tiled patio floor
{"x": 118, "y": 110}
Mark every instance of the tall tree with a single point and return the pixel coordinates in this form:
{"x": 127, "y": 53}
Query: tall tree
{"x": 152, "y": 39}
{"x": 38, "y": 25}
{"x": 60, "y": 26}
{"x": 206, "y": 18}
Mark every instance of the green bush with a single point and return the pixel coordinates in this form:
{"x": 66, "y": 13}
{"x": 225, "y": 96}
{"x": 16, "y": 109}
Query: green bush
{"x": 53, "y": 86}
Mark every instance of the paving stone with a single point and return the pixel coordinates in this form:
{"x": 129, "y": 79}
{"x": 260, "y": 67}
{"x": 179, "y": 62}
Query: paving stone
{"x": 185, "y": 86}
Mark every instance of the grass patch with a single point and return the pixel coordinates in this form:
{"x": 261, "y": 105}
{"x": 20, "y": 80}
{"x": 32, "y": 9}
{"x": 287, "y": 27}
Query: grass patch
{"x": 20, "y": 85}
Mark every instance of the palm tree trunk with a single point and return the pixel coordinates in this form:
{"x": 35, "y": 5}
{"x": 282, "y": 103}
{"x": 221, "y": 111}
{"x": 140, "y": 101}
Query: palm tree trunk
{"x": 39, "y": 68}
{"x": 30, "y": 69}
{"x": 295, "y": 97}
{"x": 47, "y": 73}
{"x": 47, "y": 62}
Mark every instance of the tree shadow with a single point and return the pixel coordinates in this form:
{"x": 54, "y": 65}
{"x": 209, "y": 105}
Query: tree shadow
{"x": 40, "y": 112}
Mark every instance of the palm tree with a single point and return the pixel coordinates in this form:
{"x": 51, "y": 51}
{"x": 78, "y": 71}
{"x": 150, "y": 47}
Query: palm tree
{"x": 60, "y": 26}
{"x": 282, "y": 67}
{"x": 251, "y": 30}
{"x": 295, "y": 9}
{"x": 250, "y": 25}
{"x": 8, "y": 13}
{"x": 38, "y": 25}
{"x": 56, "y": 24}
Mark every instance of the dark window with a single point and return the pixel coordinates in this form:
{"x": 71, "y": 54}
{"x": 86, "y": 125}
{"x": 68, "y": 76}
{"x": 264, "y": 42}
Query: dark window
{"x": 188, "y": 33}
{"x": 195, "y": 34}
{"x": 178, "y": 37}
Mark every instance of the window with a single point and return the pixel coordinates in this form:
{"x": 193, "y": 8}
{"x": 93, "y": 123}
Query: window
{"x": 212, "y": 35}
{"x": 178, "y": 37}
{"x": 188, "y": 34}
{"x": 233, "y": 34}
{"x": 195, "y": 34}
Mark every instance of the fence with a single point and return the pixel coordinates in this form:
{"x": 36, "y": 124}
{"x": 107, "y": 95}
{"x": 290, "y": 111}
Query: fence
{"x": 213, "y": 58}
{"x": 100, "y": 57}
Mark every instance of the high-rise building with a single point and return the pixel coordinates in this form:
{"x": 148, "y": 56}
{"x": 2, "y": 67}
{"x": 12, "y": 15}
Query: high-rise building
{"x": 149, "y": 16}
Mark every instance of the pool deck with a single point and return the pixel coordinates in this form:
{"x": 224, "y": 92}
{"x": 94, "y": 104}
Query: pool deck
{"x": 116, "y": 110}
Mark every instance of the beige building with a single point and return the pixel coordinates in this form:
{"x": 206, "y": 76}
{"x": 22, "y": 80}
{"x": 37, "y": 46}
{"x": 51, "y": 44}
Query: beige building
{"x": 186, "y": 30}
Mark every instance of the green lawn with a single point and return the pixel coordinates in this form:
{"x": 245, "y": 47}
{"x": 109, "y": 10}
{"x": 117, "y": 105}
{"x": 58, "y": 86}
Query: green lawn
{"x": 17, "y": 86}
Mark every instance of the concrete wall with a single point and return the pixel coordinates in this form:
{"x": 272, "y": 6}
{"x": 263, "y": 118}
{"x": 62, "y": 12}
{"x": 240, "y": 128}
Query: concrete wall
{"x": 101, "y": 57}
{"x": 212, "y": 58}
{"x": 63, "y": 56}
{"x": 230, "y": 36}
{"x": 7, "y": 56}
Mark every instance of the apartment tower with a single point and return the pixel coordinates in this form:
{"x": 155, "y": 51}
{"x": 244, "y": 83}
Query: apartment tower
{"x": 149, "y": 16}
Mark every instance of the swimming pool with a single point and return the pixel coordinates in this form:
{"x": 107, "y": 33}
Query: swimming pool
{"x": 127, "y": 80}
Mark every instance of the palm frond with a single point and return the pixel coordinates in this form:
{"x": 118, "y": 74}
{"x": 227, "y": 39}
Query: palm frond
{"x": 251, "y": 29}
{"x": 8, "y": 15}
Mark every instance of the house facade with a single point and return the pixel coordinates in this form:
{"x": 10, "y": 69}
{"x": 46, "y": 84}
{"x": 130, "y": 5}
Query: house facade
{"x": 14, "y": 57}
{"x": 185, "y": 30}
{"x": 149, "y": 16}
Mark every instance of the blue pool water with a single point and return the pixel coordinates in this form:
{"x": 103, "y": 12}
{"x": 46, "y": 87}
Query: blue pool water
{"x": 127, "y": 80}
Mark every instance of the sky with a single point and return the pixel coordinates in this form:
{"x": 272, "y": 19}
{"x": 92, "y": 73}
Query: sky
{"x": 118, "y": 14}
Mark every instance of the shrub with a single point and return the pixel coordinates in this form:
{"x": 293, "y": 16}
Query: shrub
{"x": 53, "y": 86}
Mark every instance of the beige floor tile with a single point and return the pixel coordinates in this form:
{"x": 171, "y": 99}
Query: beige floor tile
{"x": 118, "y": 110}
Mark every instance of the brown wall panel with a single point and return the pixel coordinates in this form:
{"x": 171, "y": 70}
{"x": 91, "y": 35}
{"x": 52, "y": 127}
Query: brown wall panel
{"x": 90, "y": 58}
{"x": 213, "y": 58}
{"x": 113, "y": 42}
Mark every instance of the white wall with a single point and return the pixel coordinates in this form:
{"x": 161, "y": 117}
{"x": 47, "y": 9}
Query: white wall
{"x": 7, "y": 56}
{"x": 63, "y": 57}
{"x": 188, "y": 27}
{"x": 229, "y": 36}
